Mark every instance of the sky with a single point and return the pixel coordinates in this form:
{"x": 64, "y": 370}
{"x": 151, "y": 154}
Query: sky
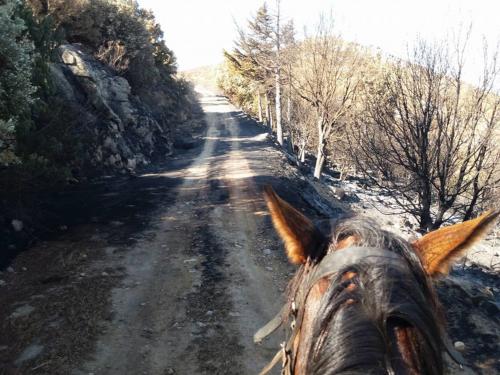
{"x": 198, "y": 30}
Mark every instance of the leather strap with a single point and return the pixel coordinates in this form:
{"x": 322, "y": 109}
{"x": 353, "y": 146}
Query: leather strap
{"x": 270, "y": 327}
{"x": 273, "y": 362}
{"x": 330, "y": 265}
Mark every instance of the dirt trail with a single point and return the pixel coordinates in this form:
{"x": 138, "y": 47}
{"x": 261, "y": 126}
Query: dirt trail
{"x": 172, "y": 271}
{"x": 197, "y": 287}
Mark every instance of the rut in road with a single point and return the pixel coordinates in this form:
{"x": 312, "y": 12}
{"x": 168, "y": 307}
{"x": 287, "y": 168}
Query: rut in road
{"x": 196, "y": 287}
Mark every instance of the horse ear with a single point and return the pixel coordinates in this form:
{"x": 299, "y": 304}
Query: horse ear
{"x": 301, "y": 238}
{"x": 439, "y": 249}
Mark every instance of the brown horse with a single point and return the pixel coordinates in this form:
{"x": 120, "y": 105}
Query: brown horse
{"x": 362, "y": 300}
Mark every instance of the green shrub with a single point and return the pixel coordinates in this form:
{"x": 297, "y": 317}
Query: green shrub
{"x": 17, "y": 91}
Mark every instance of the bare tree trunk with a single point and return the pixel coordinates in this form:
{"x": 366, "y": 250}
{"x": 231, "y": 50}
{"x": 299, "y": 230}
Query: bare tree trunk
{"x": 476, "y": 188}
{"x": 439, "y": 217}
{"x": 475, "y": 196}
{"x": 320, "y": 156}
{"x": 269, "y": 120}
{"x": 289, "y": 111}
{"x": 279, "y": 129}
{"x": 320, "y": 160}
{"x": 260, "y": 106}
{"x": 302, "y": 152}
{"x": 426, "y": 223}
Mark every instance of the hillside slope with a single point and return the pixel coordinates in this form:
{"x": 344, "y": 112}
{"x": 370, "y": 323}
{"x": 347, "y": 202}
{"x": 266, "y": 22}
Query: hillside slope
{"x": 88, "y": 89}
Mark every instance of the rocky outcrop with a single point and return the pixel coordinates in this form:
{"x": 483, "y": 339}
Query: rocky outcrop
{"x": 120, "y": 131}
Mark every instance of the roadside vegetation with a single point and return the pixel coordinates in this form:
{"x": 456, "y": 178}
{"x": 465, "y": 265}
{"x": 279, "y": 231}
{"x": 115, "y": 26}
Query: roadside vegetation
{"x": 38, "y": 144}
{"x": 88, "y": 88}
{"x": 414, "y": 127}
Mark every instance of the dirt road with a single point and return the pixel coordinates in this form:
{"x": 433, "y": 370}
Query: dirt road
{"x": 179, "y": 288}
{"x": 197, "y": 288}
{"x": 172, "y": 271}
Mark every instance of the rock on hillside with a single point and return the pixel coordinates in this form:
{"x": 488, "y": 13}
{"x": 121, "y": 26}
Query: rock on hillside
{"x": 119, "y": 130}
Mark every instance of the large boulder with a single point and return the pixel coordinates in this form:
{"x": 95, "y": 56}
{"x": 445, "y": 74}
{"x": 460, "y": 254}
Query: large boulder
{"x": 121, "y": 132}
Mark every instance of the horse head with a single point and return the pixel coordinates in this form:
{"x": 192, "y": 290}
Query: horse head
{"x": 362, "y": 300}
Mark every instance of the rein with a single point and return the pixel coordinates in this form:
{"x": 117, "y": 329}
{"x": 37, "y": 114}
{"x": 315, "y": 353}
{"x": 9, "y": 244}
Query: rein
{"x": 331, "y": 264}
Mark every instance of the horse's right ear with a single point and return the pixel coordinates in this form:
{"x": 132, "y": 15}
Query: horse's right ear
{"x": 440, "y": 248}
{"x": 302, "y": 239}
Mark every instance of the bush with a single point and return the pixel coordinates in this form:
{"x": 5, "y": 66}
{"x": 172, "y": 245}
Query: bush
{"x": 121, "y": 35}
{"x": 17, "y": 91}
{"x": 38, "y": 130}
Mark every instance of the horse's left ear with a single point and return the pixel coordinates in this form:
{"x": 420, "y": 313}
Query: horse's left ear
{"x": 302, "y": 239}
{"x": 440, "y": 248}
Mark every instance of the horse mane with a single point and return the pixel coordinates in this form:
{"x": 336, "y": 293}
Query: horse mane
{"x": 354, "y": 331}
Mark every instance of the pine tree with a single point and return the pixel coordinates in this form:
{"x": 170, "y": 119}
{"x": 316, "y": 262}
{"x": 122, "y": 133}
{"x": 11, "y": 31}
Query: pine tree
{"x": 260, "y": 48}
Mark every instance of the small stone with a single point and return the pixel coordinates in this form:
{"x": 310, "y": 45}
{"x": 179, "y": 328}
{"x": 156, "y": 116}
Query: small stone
{"x": 63, "y": 227}
{"x": 22, "y": 311}
{"x": 17, "y": 225}
{"x": 143, "y": 304}
{"x": 209, "y": 312}
{"x": 28, "y": 354}
{"x": 339, "y": 193}
{"x": 267, "y": 251}
{"x": 459, "y": 345}
{"x": 84, "y": 256}
{"x": 10, "y": 269}
{"x": 116, "y": 223}
{"x": 82, "y": 274}
{"x": 169, "y": 371}
{"x": 488, "y": 290}
{"x": 24, "y": 269}
{"x": 104, "y": 274}
{"x": 2, "y": 283}
{"x": 269, "y": 268}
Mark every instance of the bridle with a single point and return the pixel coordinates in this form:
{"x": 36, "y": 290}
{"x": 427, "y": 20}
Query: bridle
{"x": 330, "y": 264}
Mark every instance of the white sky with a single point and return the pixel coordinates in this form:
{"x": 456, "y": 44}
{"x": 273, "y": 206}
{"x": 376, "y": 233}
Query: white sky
{"x": 198, "y": 30}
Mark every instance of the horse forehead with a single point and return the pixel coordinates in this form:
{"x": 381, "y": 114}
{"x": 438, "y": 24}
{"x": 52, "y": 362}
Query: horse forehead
{"x": 320, "y": 288}
{"x": 346, "y": 242}
{"x": 342, "y": 260}
{"x": 322, "y": 285}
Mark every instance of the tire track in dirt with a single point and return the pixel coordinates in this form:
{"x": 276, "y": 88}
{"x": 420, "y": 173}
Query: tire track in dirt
{"x": 193, "y": 293}
{"x": 209, "y": 307}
